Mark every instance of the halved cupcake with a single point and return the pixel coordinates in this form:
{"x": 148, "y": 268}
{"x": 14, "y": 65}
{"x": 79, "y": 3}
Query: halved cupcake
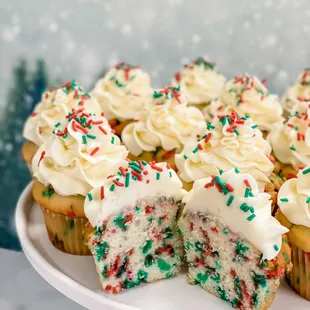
{"x": 122, "y": 92}
{"x": 133, "y": 232}
{"x": 200, "y": 82}
{"x": 162, "y": 129}
{"x": 234, "y": 246}
{"x": 80, "y": 154}
{"x": 289, "y": 141}
{"x": 300, "y": 91}
{"x": 53, "y": 107}
{"x": 248, "y": 96}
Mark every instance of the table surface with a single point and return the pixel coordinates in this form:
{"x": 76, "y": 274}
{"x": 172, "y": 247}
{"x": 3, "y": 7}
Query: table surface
{"x": 16, "y": 293}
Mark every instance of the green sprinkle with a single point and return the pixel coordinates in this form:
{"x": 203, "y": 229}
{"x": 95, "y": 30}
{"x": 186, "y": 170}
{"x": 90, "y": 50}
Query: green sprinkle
{"x": 196, "y": 150}
{"x": 287, "y": 259}
{"x": 237, "y": 170}
{"x": 230, "y": 200}
{"x": 120, "y": 221}
{"x": 251, "y": 209}
{"x": 244, "y": 206}
{"x": 127, "y": 179}
{"x": 91, "y": 137}
{"x": 292, "y": 148}
{"x": 84, "y": 139}
{"x": 188, "y": 245}
{"x": 149, "y": 260}
{"x": 254, "y": 126}
{"x": 144, "y": 162}
{"x": 236, "y": 131}
{"x": 247, "y": 192}
{"x": 148, "y": 245}
{"x": 308, "y": 200}
{"x": 221, "y": 171}
{"x": 283, "y": 199}
{"x": 101, "y": 250}
{"x": 90, "y": 197}
{"x": 135, "y": 168}
{"x": 185, "y": 157}
{"x": 225, "y": 231}
{"x": 163, "y": 265}
{"x": 259, "y": 279}
{"x": 142, "y": 275}
{"x": 112, "y": 187}
{"x": 112, "y": 140}
{"x": 251, "y": 217}
{"x": 157, "y": 176}
{"x": 202, "y": 278}
{"x": 306, "y": 171}
{"x": 209, "y": 126}
{"x": 137, "y": 209}
{"x": 58, "y": 124}
{"x": 276, "y": 248}
{"x": 170, "y": 173}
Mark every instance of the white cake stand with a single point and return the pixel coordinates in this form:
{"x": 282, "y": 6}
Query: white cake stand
{"x": 76, "y": 277}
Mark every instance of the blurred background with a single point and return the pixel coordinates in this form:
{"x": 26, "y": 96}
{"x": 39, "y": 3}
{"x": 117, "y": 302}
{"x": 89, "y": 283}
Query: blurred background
{"x": 48, "y": 42}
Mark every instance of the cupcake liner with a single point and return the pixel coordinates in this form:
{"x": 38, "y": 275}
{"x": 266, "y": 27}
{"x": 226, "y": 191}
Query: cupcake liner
{"x": 65, "y": 232}
{"x": 299, "y": 277}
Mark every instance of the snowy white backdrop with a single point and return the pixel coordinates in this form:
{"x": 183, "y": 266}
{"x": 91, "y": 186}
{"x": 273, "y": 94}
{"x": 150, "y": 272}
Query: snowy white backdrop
{"x": 78, "y": 38}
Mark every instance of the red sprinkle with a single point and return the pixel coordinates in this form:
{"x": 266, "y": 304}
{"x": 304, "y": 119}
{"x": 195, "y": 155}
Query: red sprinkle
{"x": 110, "y": 176}
{"x": 177, "y": 77}
{"x": 145, "y": 172}
{"x": 219, "y": 188}
{"x": 97, "y": 122}
{"x": 41, "y": 157}
{"x": 118, "y": 183}
{"x": 78, "y": 126}
{"x": 71, "y": 213}
{"x": 94, "y": 151}
{"x": 208, "y": 137}
{"x": 89, "y": 123}
{"x": 200, "y": 146}
{"x": 207, "y": 185}
{"x": 102, "y": 114}
{"x": 74, "y": 126}
{"x": 103, "y": 130}
{"x": 147, "y": 181}
{"x": 33, "y": 114}
{"x": 153, "y": 166}
{"x": 229, "y": 187}
{"x": 140, "y": 164}
{"x": 137, "y": 174}
{"x": 102, "y": 192}
{"x": 247, "y": 183}
{"x": 122, "y": 170}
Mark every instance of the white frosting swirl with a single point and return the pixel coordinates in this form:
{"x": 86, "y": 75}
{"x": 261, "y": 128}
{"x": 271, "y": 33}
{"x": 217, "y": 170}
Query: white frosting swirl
{"x": 79, "y": 156}
{"x": 152, "y": 183}
{"x": 248, "y": 96}
{"x": 166, "y": 122}
{"x": 244, "y": 209}
{"x": 200, "y": 82}
{"x": 298, "y": 92}
{"x": 123, "y": 91}
{"x": 53, "y": 107}
{"x": 229, "y": 142}
{"x": 293, "y": 198}
{"x": 290, "y": 140}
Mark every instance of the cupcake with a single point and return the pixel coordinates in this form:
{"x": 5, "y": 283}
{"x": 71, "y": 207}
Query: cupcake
{"x": 53, "y": 107}
{"x": 297, "y": 92}
{"x": 79, "y": 156}
{"x": 122, "y": 92}
{"x": 293, "y": 202}
{"x": 133, "y": 233}
{"x": 289, "y": 141}
{"x": 163, "y": 127}
{"x": 200, "y": 82}
{"x": 234, "y": 246}
{"x": 229, "y": 141}
{"x": 248, "y": 96}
